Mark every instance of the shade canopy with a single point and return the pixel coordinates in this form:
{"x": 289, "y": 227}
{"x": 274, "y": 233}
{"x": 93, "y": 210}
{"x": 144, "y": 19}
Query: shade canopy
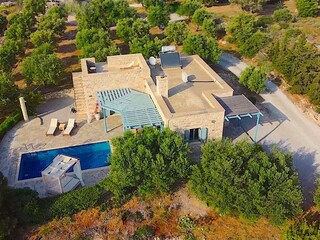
{"x": 137, "y": 109}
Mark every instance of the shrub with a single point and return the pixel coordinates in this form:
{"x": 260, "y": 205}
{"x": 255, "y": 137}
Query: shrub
{"x": 199, "y": 16}
{"x": 151, "y": 161}
{"x": 264, "y": 21}
{"x": 254, "y": 44}
{"x": 240, "y": 178}
{"x": 10, "y": 122}
{"x": 3, "y": 24}
{"x": 177, "y": 32}
{"x": 303, "y": 230}
{"x": 316, "y": 197}
{"x": 144, "y": 232}
{"x": 209, "y": 27}
{"x": 307, "y": 8}
{"x": 42, "y": 36}
{"x": 158, "y": 16}
{"x": 254, "y": 79}
{"x": 146, "y": 46}
{"x": 75, "y": 201}
{"x": 282, "y": 15}
{"x": 188, "y": 7}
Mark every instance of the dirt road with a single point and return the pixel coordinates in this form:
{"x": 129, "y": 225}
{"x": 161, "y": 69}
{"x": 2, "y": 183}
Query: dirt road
{"x": 284, "y": 126}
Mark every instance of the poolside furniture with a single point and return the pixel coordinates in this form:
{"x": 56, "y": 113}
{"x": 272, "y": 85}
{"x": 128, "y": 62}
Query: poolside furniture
{"x": 62, "y": 126}
{"x": 70, "y": 126}
{"x": 53, "y": 126}
{"x": 56, "y": 177}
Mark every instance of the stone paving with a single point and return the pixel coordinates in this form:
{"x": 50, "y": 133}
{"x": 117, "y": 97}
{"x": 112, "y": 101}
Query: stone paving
{"x": 31, "y": 136}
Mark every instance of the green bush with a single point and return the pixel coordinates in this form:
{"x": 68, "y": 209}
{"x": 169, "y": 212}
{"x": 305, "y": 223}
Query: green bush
{"x": 144, "y": 232}
{"x": 254, "y": 44}
{"x": 151, "y": 161}
{"x": 264, "y": 21}
{"x": 10, "y": 122}
{"x": 254, "y": 79}
{"x": 75, "y": 201}
{"x": 303, "y": 230}
{"x": 282, "y": 15}
{"x": 307, "y": 8}
{"x": 240, "y": 178}
{"x": 316, "y": 197}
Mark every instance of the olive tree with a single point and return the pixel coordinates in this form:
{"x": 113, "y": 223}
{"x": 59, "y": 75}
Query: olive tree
{"x": 158, "y": 16}
{"x": 128, "y": 28}
{"x": 177, "y": 32}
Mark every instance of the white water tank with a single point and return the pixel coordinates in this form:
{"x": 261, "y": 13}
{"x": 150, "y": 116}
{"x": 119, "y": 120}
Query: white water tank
{"x": 165, "y": 49}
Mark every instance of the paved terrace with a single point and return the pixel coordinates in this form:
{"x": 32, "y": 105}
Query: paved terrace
{"x": 31, "y": 136}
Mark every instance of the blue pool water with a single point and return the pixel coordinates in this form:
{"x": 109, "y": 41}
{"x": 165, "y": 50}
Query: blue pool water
{"x": 93, "y": 155}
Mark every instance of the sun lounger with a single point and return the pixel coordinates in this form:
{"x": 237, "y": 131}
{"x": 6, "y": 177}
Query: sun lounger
{"x": 70, "y": 126}
{"x": 53, "y": 126}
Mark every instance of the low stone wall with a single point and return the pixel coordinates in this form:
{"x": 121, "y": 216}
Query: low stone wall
{"x": 60, "y": 94}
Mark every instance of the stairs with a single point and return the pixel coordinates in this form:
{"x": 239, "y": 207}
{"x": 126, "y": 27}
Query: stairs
{"x": 79, "y": 96}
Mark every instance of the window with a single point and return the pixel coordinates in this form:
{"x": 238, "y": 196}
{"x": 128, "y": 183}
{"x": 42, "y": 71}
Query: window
{"x": 196, "y": 134}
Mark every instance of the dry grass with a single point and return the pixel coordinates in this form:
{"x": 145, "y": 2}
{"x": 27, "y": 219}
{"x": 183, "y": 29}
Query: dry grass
{"x": 160, "y": 212}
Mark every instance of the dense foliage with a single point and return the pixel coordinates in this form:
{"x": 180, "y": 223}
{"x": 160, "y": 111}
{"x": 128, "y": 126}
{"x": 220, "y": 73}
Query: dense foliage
{"x": 254, "y": 79}
{"x": 209, "y": 27}
{"x": 299, "y": 62}
{"x": 75, "y": 201}
{"x": 307, "y": 8}
{"x": 316, "y": 197}
{"x": 54, "y": 20}
{"x": 188, "y": 7}
{"x": 42, "y": 67}
{"x": 206, "y": 47}
{"x": 282, "y": 15}
{"x": 254, "y": 44}
{"x": 177, "y": 32}
{"x": 8, "y": 90}
{"x": 303, "y": 230}
{"x": 96, "y": 43}
{"x": 250, "y": 5}
{"x": 129, "y": 28}
{"x": 199, "y": 16}
{"x": 43, "y": 36}
{"x": 18, "y": 207}
{"x": 158, "y": 16}
{"x": 146, "y": 46}
{"x": 103, "y": 14}
{"x": 3, "y": 24}
{"x": 240, "y": 178}
{"x": 151, "y": 161}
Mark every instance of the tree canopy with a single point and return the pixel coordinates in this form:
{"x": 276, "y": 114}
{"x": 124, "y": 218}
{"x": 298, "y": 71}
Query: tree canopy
{"x": 254, "y": 79}
{"x": 158, "y": 16}
{"x": 8, "y": 90}
{"x": 146, "y": 46}
{"x": 199, "y": 16}
{"x": 250, "y": 5}
{"x": 54, "y": 20}
{"x": 40, "y": 37}
{"x": 188, "y": 7}
{"x": 206, "y": 47}
{"x": 3, "y": 23}
{"x": 254, "y": 44}
{"x": 177, "y": 32}
{"x": 128, "y": 28}
{"x": 151, "y": 161}
{"x": 282, "y": 15}
{"x": 307, "y": 8}
{"x": 209, "y": 27}
{"x": 240, "y": 178}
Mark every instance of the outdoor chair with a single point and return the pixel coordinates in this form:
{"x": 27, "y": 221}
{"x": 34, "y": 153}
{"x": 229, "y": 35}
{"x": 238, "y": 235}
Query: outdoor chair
{"x": 70, "y": 126}
{"x": 53, "y": 126}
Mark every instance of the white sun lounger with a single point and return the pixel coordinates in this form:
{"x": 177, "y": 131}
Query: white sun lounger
{"x": 53, "y": 126}
{"x": 70, "y": 127}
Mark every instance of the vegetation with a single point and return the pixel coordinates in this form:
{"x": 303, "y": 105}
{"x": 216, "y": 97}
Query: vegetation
{"x": 303, "y": 230}
{"x": 54, "y": 20}
{"x": 282, "y": 15}
{"x": 128, "y": 28}
{"x": 250, "y": 5}
{"x": 42, "y": 67}
{"x": 307, "y": 8}
{"x": 199, "y": 16}
{"x": 188, "y": 7}
{"x": 3, "y": 24}
{"x": 254, "y": 79}
{"x": 8, "y": 91}
{"x": 75, "y": 201}
{"x": 177, "y": 32}
{"x": 43, "y": 36}
{"x": 209, "y": 27}
{"x": 146, "y": 46}
{"x": 316, "y": 197}
{"x": 240, "y": 178}
{"x": 254, "y": 44}
{"x": 206, "y": 47}
{"x": 150, "y": 162}
{"x": 158, "y": 16}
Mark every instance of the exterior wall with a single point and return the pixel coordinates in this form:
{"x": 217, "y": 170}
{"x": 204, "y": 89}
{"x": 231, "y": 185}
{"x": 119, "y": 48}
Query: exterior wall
{"x": 213, "y": 121}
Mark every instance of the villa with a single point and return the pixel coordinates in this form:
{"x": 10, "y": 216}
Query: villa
{"x": 182, "y": 93}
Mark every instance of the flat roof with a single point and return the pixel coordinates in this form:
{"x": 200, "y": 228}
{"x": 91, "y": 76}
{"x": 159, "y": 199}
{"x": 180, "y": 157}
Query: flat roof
{"x": 188, "y": 96}
{"x": 237, "y": 105}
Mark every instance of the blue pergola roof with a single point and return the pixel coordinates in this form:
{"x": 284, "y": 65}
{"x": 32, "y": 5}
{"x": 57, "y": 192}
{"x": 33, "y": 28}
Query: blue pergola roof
{"x": 137, "y": 109}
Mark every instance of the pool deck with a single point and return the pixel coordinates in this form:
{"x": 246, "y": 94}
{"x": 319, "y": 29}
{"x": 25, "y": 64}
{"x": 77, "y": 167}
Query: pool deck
{"x": 31, "y": 136}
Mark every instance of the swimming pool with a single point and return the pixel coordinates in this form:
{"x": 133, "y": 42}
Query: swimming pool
{"x": 94, "y": 155}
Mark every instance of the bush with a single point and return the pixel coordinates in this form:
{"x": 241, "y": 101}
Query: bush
{"x": 254, "y": 79}
{"x": 158, "y": 16}
{"x": 316, "y": 197}
{"x": 240, "y": 178}
{"x": 209, "y": 27}
{"x": 264, "y": 21}
{"x": 146, "y": 46}
{"x": 3, "y": 23}
{"x": 151, "y": 161}
{"x": 282, "y": 15}
{"x": 10, "y": 122}
{"x": 254, "y": 44}
{"x": 177, "y": 32}
{"x": 188, "y": 7}
{"x": 307, "y": 8}
{"x": 303, "y": 230}
{"x": 75, "y": 201}
{"x": 144, "y": 232}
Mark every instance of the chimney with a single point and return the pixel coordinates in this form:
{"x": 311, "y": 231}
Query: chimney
{"x": 162, "y": 85}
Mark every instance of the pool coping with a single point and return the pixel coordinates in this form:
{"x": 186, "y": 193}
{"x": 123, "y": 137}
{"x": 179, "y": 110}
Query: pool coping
{"x": 17, "y": 181}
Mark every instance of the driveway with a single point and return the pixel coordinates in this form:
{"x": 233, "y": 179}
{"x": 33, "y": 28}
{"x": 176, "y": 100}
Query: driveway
{"x": 285, "y": 127}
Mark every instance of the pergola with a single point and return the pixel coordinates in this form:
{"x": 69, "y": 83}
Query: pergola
{"x": 136, "y": 109}
{"x": 239, "y": 107}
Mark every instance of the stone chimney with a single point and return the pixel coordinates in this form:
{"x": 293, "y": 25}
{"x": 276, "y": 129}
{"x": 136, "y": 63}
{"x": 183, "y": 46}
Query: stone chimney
{"x": 162, "y": 85}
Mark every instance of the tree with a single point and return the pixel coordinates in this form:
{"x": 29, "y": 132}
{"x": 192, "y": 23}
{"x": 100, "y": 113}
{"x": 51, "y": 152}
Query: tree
{"x": 146, "y": 46}
{"x": 241, "y": 28}
{"x": 241, "y": 179}
{"x": 254, "y": 44}
{"x": 8, "y": 90}
{"x": 188, "y": 7}
{"x": 8, "y": 53}
{"x": 206, "y": 47}
{"x": 151, "y": 162}
{"x": 40, "y": 37}
{"x": 307, "y": 8}
{"x": 42, "y": 68}
{"x": 35, "y": 7}
{"x": 250, "y": 5}
{"x": 158, "y": 16}
{"x": 316, "y": 197}
{"x": 209, "y": 27}
{"x": 128, "y": 28}
{"x": 52, "y": 22}
{"x": 3, "y": 24}
{"x": 177, "y": 32}
{"x": 254, "y": 79}
{"x": 20, "y": 26}
{"x": 152, "y": 3}
{"x": 282, "y": 15}
{"x": 199, "y": 16}
{"x": 95, "y": 43}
